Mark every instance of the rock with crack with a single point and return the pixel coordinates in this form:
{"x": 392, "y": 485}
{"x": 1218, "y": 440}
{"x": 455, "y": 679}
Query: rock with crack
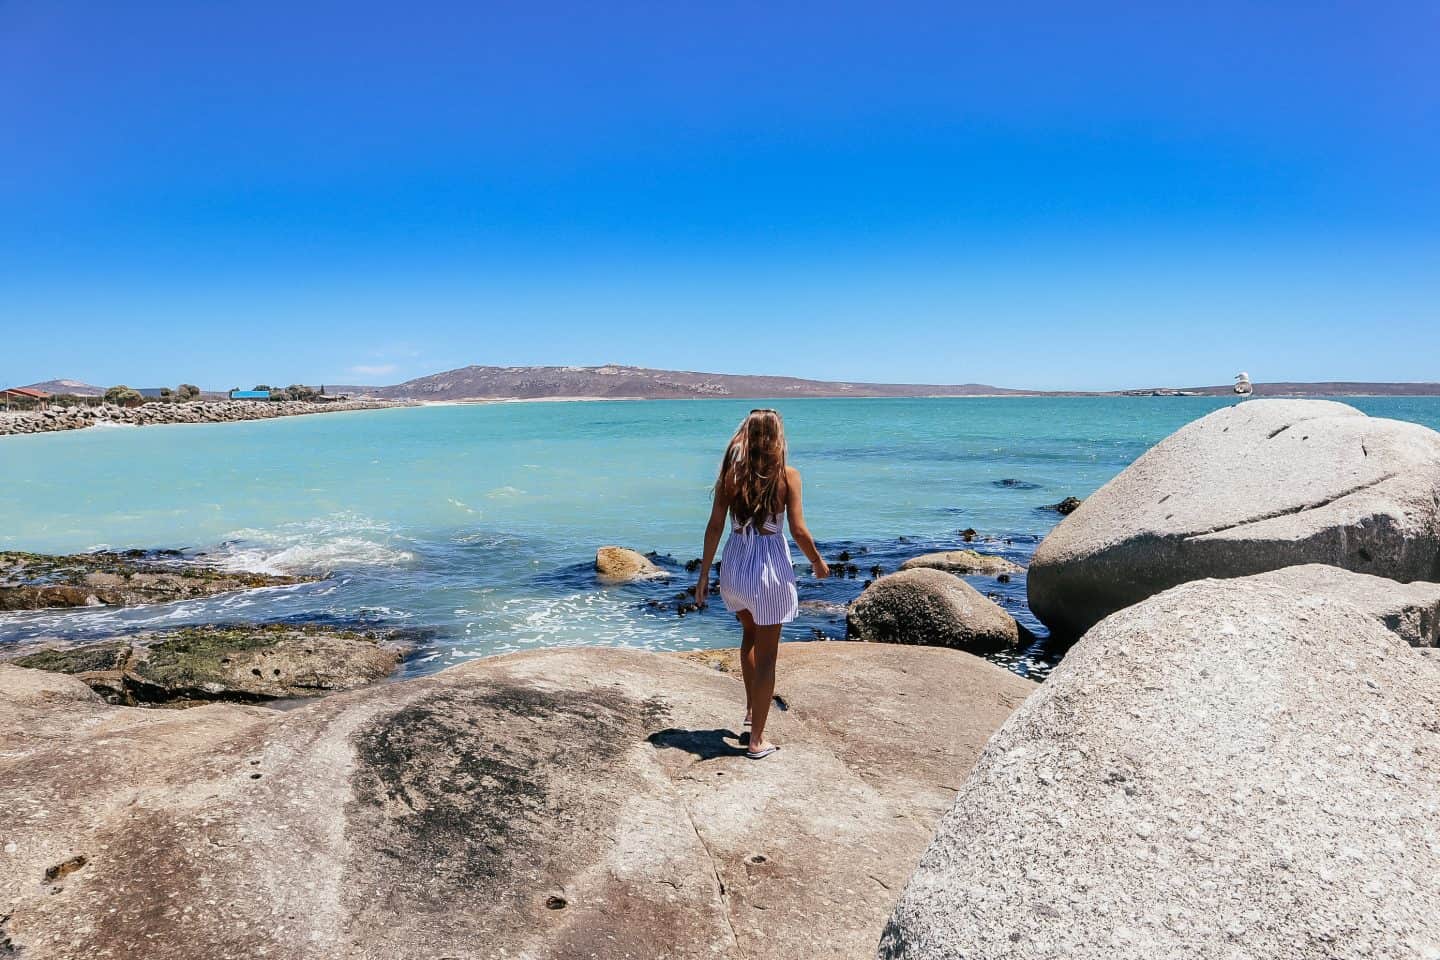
{"x": 239, "y": 662}
{"x": 557, "y": 804}
{"x": 1230, "y": 768}
{"x": 1258, "y": 486}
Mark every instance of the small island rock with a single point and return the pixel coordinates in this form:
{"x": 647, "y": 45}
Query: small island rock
{"x": 621, "y": 564}
{"x": 930, "y": 607}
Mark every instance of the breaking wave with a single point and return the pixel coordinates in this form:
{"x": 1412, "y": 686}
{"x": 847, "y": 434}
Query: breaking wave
{"x": 315, "y": 547}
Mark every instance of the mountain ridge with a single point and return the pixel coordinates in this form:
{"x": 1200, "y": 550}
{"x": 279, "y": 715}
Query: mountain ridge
{"x": 619, "y": 381}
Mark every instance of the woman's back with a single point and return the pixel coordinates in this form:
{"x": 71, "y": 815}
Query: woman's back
{"x": 770, "y": 522}
{"x": 760, "y": 493}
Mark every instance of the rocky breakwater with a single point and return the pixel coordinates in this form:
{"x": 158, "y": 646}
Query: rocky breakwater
{"x": 34, "y": 581}
{"x": 555, "y": 804}
{"x": 1232, "y": 768}
{"x": 1258, "y": 486}
{"x": 195, "y": 411}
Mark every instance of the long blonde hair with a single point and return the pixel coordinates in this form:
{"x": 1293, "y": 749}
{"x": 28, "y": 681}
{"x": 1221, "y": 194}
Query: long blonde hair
{"x": 752, "y": 472}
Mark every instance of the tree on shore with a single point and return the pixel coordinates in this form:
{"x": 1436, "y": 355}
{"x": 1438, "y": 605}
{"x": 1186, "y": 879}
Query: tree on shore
{"x": 124, "y": 396}
{"x": 187, "y": 391}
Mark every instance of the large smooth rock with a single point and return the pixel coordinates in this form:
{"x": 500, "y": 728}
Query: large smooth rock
{"x": 963, "y": 561}
{"x": 240, "y": 662}
{"x": 1411, "y": 611}
{"x": 1258, "y": 486}
{"x": 558, "y": 804}
{"x": 1228, "y": 769}
{"x": 930, "y": 607}
{"x": 621, "y": 564}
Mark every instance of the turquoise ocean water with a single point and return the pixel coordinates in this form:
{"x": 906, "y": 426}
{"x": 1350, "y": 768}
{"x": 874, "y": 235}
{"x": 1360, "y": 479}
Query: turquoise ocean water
{"x": 477, "y": 524}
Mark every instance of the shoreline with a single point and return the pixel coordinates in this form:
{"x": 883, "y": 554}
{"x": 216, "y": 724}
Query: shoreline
{"x": 64, "y": 419}
{"x": 60, "y": 420}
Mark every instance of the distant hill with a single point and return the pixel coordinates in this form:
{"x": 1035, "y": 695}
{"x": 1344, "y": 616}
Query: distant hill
{"x": 614, "y": 381}
{"x": 77, "y": 387}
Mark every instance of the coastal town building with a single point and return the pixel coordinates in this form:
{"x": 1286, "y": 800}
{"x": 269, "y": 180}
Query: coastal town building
{"x": 24, "y": 398}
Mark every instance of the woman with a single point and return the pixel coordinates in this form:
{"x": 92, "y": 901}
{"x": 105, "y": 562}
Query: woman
{"x": 757, "y": 580}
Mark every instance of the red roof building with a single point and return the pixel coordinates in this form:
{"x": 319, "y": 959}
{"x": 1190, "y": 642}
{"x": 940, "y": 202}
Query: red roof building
{"x": 24, "y": 397}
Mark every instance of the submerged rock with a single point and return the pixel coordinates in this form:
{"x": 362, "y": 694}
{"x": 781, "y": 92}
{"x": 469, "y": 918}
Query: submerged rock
{"x": 1258, "y": 486}
{"x": 621, "y": 564}
{"x": 933, "y": 608}
{"x": 560, "y": 804}
{"x": 963, "y": 561}
{"x": 245, "y": 663}
{"x": 1226, "y": 769}
{"x": 34, "y": 581}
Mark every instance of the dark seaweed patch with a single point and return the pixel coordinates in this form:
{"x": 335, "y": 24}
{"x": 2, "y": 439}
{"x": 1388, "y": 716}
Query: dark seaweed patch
{"x": 464, "y": 787}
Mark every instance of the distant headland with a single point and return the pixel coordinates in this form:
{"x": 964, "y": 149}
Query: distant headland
{"x": 615, "y": 381}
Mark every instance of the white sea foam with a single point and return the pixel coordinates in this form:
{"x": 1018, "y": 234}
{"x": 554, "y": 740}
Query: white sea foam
{"x": 500, "y": 493}
{"x": 318, "y": 546}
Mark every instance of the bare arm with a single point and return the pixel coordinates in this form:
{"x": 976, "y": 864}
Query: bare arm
{"x": 796, "y": 511}
{"x": 714, "y": 529}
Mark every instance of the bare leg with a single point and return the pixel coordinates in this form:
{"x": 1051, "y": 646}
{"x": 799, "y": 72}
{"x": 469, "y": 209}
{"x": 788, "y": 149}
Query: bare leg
{"x": 762, "y": 685}
{"x": 747, "y": 655}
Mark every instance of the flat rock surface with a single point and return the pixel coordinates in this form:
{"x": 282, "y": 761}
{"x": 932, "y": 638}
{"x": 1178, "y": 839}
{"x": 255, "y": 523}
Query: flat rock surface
{"x": 239, "y": 662}
{"x": 963, "y": 561}
{"x": 563, "y": 803}
{"x": 933, "y": 608}
{"x": 33, "y": 581}
{"x": 1258, "y": 486}
{"x": 1229, "y": 769}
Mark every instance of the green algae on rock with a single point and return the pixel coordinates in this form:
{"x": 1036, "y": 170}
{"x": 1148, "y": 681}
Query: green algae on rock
{"x": 244, "y": 663}
{"x": 35, "y": 581}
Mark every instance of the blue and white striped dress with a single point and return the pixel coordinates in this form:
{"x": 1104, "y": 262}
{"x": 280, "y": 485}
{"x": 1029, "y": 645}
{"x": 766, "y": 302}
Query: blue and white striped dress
{"x": 757, "y": 574}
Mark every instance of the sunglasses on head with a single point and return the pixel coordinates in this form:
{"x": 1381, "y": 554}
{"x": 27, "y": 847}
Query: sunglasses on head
{"x": 764, "y": 410}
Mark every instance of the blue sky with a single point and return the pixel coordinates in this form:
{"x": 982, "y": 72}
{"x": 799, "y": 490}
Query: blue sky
{"x": 1049, "y": 195}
